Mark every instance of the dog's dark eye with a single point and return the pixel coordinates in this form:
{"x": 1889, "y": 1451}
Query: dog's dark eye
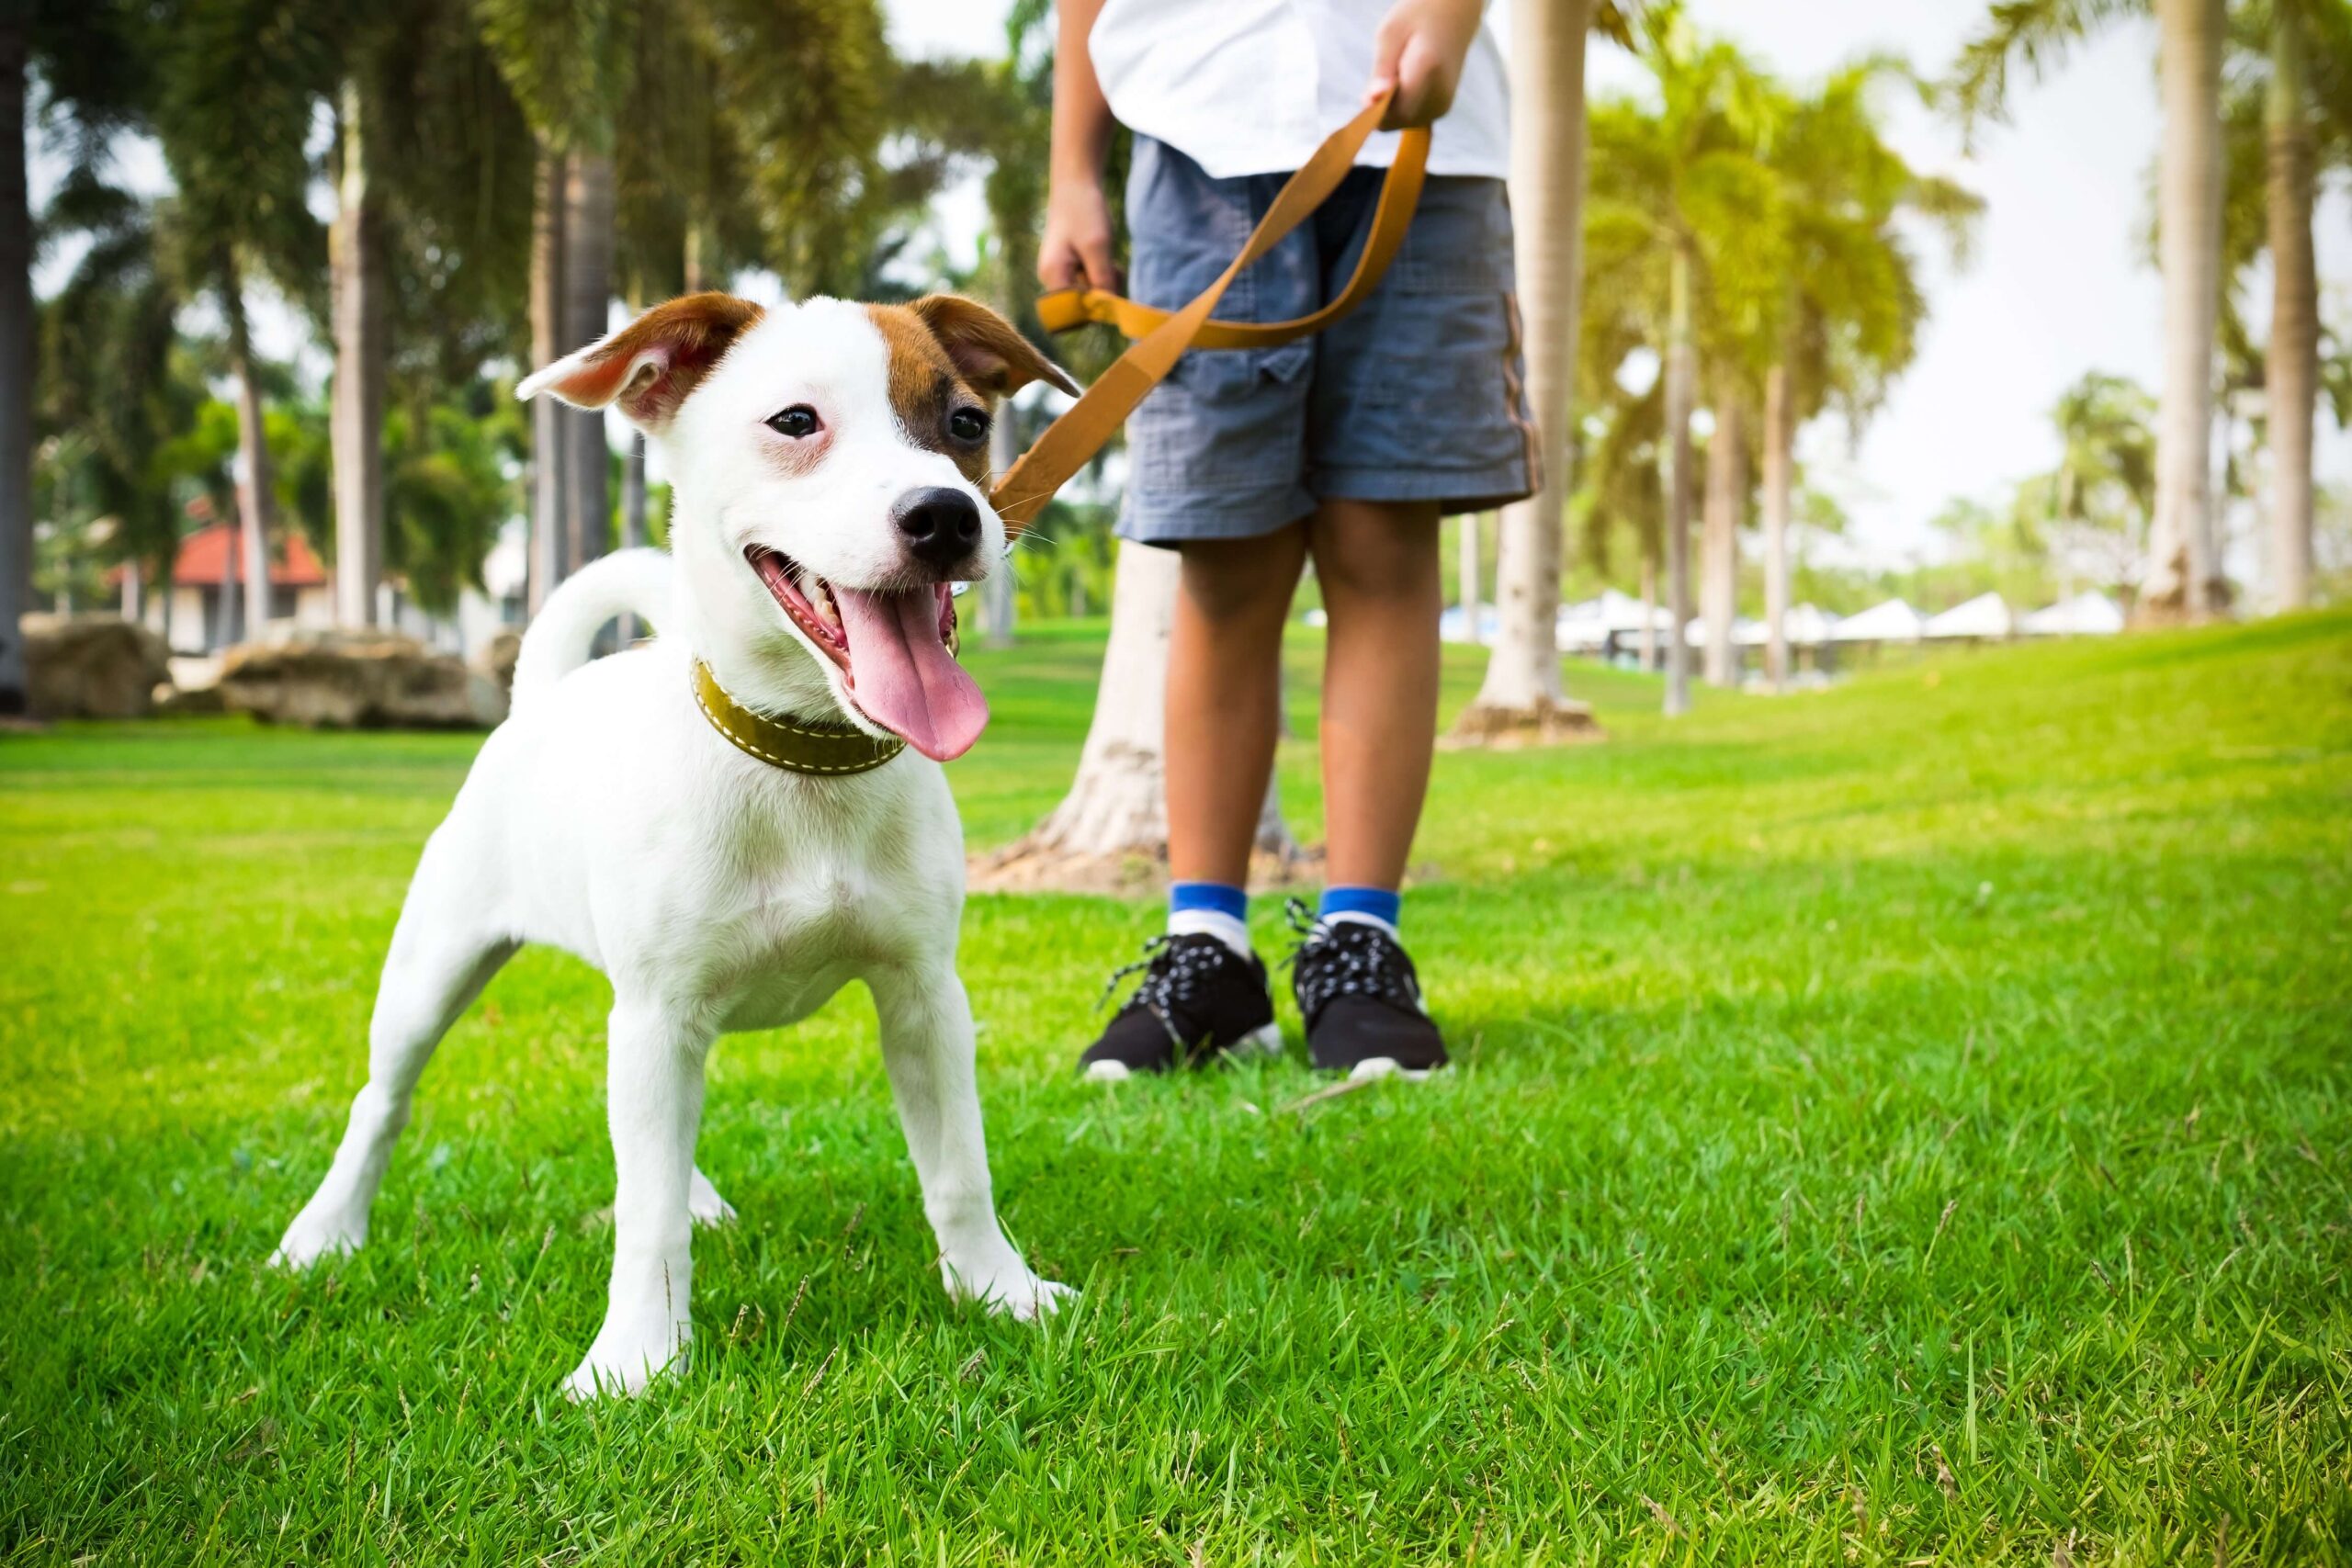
{"x": 799, "y": 422}
{"x": 968, "y": 424}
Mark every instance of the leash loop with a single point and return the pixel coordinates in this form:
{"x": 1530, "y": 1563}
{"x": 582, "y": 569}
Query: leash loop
{"x": 1162, "y": 336}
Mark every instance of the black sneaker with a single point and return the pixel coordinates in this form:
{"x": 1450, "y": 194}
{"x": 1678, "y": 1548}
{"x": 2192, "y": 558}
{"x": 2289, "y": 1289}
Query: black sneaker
{"x": 1197, "y": 999}
{"x": 1361, "y": 1000}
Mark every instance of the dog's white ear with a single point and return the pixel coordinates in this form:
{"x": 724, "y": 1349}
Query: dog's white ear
{"x": 987, "y": 350}
{"x": 649, "y": 366}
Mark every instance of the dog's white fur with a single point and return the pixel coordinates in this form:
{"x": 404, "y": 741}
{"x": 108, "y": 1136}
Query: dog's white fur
{"x": 606, "y": 817}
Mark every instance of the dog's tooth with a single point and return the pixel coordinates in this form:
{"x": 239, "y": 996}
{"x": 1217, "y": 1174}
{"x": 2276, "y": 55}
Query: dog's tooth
{"x": 827, "y": 610}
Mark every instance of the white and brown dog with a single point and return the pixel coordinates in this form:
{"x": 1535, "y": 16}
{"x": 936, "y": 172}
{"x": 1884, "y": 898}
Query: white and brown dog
{"x": 722, "y": 820}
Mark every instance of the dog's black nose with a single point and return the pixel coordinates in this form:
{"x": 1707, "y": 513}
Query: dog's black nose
{"x": 941, "y": 525}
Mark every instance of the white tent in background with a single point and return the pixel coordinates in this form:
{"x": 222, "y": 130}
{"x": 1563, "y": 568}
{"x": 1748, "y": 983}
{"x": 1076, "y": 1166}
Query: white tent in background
{"x": 1805, "y": 626}
{"x": 1744, "y": 633}
{"x": 1809, "y": 626}
{"x": 1451, "y": 626}
{"x": 2087, "y": 613}
{"x": 1591, "y": 623}
{"x": 1893, "y": 621}
{"x": 1986, "y": 616}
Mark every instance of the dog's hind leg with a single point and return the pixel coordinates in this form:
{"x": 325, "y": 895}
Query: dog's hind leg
{"x": 653, "y": 1098}
{"x": 927, "y": 1046}
{"x": 439, "y": 961}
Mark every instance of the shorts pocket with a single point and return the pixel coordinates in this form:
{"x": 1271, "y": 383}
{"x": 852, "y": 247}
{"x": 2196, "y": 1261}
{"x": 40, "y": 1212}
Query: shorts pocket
{"x": 1231, "y": 421}
{"x": 1239, "y": 372}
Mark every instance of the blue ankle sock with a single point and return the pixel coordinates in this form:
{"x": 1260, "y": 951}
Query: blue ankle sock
{"x": 1222, "y": 896}
{"x": 1210, "y": 908}
{"x": 1379, "y": 904}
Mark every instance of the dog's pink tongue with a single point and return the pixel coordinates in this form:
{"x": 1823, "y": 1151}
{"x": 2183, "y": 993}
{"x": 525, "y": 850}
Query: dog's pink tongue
{"x": 902, "y": 675}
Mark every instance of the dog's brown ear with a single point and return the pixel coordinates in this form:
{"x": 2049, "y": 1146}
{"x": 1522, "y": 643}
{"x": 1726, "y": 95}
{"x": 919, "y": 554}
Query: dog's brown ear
{"x": 989, "y": 351}
{"x": 649, "y": 366}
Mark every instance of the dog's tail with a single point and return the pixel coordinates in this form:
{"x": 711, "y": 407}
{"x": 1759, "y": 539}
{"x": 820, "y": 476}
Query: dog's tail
{"x": 632, "y": 582}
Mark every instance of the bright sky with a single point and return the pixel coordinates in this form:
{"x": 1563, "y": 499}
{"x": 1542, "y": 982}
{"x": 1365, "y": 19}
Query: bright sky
{"x": 2056, "y": 285}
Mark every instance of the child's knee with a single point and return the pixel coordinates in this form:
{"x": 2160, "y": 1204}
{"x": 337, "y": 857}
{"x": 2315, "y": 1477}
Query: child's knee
{"x": 1379, "y": 563}
{"x": 1239, "y": 579}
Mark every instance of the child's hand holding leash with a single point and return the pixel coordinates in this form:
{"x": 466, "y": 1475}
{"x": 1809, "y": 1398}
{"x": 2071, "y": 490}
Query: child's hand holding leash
{"x": 1418, "y": 52}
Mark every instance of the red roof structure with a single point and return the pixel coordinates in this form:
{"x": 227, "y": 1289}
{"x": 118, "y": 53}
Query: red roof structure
{"x": 209, "y": 556}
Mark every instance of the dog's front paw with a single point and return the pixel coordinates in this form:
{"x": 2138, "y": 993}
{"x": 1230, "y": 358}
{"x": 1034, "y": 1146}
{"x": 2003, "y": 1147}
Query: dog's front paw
{"x": 1033, "y": 1300}
{"x": 1010, "y": 1290}
{"x": 626, "y": 1359}
{"x": 705, "y": 1206}
{"x": 313, "y": 1235}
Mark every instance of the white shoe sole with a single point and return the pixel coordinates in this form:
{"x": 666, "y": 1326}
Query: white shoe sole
{"x": 1387, "y": 1067}
{"x": 1266, "y": 1040}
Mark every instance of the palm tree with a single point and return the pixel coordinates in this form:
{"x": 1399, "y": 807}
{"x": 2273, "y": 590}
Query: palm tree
{"x": 115, "y": 371}
{"x": 568, "y": 64}
{"x": 16, "y": 370}
{"x": 683, "y": 217}
{"x": 2184, "y": 569}
{"x": 94, "y": 81}
{"x": 1521, "y": 691}
{"x": 1680, "y": 374}
{"x": 234, "y": 138}
{"x": 2288, "y": 123}
{"x": 1721, "y": 514}
{"x": 451, "y": 160}
{"x": 1679, "y": 190}
{"x": 355, "y": 263}
{"x": 1846, "y": 317}
{"x": 2105, "y": 484}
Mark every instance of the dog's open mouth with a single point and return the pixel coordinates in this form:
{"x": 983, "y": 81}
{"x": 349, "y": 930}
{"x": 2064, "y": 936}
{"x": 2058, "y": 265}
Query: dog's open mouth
{"x": 894, "y": 650}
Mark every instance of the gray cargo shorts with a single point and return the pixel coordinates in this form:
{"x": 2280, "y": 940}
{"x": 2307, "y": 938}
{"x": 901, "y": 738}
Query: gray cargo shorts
{"x": 1417, "y": 395}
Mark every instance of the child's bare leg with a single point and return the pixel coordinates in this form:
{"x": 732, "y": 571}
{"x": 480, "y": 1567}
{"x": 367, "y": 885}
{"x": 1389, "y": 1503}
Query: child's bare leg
{"x": 1223, "y": 695}
{"x": 1377, "y": 563}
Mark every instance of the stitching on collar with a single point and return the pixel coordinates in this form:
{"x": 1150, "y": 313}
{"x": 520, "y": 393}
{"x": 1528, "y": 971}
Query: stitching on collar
{"x": 883, "y": 752}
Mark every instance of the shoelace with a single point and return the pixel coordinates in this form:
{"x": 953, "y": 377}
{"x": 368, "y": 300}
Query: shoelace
{"x": 1347, "y": 958}
{"x": 1172, "y": 970}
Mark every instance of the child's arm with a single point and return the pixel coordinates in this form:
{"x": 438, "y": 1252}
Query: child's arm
{"x": 1076, "y": 247}
{"x": 1418, "y": 50}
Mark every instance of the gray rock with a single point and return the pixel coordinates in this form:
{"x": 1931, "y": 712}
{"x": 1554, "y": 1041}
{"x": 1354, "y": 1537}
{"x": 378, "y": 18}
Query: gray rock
{"x": 93, "y": 666}
{"x": 496, "y": 658}
{"x": 357, "y": 679}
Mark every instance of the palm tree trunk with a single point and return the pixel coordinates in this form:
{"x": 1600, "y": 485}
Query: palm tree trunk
{"x": 633, "y": 532}
{"x": 1522, "y": 689}
{"x": 2183, "y": 568}
{"x": 15, "y": 372}
{"x": 1648, "y": 639}
{"x": 997, "y": 590}
{"x": 1719, "y": 536}
{"x": 1114, "y": 817}
{"x": 1466, "y": 561}
{"x": 2290, "y": 371}
{"x": 1680, "y": 375}
{"x": 1116, "y": 805}
{"x": 1779, "y": 437}
{"x": 255, "y": 483}
{"x": 587, "y": 287}
{"x": 551, "y": 479}
{"x": 357, "y": 433}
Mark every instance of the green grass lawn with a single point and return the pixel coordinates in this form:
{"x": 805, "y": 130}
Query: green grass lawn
{"x": 1911, "y": 1123}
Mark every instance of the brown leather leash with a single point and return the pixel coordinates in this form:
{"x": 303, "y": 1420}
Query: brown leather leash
{"x": 1162, "y": 336}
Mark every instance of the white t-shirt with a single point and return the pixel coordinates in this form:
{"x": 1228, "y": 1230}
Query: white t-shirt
{"x": 1253, "y": 86}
